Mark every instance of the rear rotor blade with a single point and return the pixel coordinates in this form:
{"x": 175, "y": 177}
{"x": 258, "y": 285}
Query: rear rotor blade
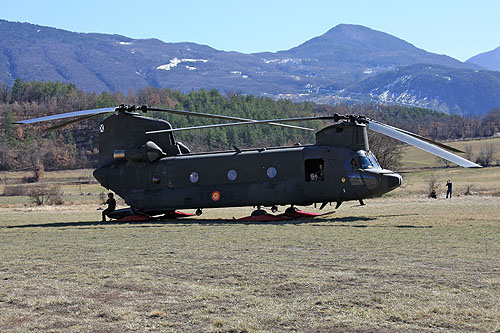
{"x": 67, "y": 123}
{"x": 428, "y": 147}
{"x": 250, "y": 122}
{"x": 92, "y": 112}
{"x": 217, "y": 116}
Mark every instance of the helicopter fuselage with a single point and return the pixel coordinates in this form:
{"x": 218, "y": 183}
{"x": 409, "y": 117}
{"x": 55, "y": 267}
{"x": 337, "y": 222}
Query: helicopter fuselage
{"x": 156, "y": 174}
{"x": 299, "y": 175}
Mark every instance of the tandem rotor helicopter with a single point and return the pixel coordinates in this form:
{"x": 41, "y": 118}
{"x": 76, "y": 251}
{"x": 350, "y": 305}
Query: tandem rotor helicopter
{"x": 140, "y": 160}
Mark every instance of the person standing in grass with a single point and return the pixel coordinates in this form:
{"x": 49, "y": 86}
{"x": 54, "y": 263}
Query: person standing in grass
{"x": 111, "y": 202}
{"x": 449, "y": 185}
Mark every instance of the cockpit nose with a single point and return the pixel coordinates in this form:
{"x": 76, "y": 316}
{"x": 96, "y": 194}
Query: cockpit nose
{"x": 393, "y": 180}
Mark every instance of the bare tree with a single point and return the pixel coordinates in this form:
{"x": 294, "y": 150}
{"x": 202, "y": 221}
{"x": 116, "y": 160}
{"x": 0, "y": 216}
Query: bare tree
{"x": 469, "y": 189}
{"x": 388, "y": 151}
{"x": 432, "y": 182}
{"x": 468, "y": 152}
{"x": 41, "y": 194}
{"x": 485, "y": 157}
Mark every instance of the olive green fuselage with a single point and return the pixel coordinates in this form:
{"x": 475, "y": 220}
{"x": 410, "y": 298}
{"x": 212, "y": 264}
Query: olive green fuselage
{"x": 335, "y": 169}
{"x": 268, "y": 177}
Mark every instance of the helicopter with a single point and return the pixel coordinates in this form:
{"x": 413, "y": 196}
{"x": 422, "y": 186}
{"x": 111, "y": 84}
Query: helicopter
{"x": 141, "y": 161}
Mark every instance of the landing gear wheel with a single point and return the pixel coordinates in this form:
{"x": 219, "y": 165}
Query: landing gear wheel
{"x": 258, "y": 212}
{"x": 291, "y": 210}
{"x": 274, "y": 209}
{"x": 198, "y": 212}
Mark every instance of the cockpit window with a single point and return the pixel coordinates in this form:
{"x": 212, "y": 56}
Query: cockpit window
{"x": 374, "y": 161}
{"x": 365, "y": 162}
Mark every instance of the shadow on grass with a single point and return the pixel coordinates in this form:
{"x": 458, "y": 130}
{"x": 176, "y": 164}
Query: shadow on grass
{"x": 374, "y": 226}
{"x": 336, "y": 222}
{"x": 341, "y": 222}
{"x": 187, "y": 221}
{"x": 397, "y": 215}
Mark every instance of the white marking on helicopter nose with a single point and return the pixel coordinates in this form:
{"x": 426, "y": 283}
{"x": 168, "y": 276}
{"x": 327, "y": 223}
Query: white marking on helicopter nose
{"x": 101, "y": 128}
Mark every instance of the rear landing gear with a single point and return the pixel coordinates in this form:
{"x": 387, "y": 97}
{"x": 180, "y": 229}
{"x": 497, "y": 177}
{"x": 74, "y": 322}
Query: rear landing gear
{"x": 259, "y": 212}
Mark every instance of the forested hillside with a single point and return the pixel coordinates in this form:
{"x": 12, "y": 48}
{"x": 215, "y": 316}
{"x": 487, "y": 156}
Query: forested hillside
{"x": 347, "y": 64}
{"x": 76, "y": 146}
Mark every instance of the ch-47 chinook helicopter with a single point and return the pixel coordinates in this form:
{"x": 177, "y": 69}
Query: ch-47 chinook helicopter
{"x": 140, "y": 160}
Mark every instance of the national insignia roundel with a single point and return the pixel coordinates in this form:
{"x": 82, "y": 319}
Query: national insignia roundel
{"x": 215, "y": 195}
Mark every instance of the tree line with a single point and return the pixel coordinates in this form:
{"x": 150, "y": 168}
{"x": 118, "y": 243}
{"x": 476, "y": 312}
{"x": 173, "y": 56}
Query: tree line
{"x": 76, "y": 146}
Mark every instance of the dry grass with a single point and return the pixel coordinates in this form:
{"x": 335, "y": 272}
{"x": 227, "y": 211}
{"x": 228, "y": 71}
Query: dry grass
{"x": 405, "y": 264}
{"x": 484, "y": 181}
{"x": 78, "y": 186}
{"x": 401, "y": 263}
{"x": 417, "y": 159}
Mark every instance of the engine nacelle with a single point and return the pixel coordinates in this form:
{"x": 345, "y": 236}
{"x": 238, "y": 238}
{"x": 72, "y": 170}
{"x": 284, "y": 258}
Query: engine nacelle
{"x": 148, "y": 152}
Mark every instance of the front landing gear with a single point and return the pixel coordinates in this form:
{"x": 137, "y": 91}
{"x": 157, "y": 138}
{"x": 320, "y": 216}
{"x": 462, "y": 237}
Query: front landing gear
{"x": 260, "y": 215}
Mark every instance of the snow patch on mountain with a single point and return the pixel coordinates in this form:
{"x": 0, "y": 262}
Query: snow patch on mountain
{"x": 409, "y": 98}
{"x": 176, "y": 61}
{"x": 444, "y": 77}
{"x": 240, "y": 74}
{"x": 282, "y": 61}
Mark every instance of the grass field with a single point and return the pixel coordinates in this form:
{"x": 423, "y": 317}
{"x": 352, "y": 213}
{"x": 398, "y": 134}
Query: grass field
{"x": 393, "y": 265}
{"x": 416, "y": 159}
{"x": 402, "y": 263}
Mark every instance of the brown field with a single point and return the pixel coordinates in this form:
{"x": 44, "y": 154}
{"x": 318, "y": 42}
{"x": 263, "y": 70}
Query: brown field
{"x": 416, "y": 158}
{"x": 401, "y": 263}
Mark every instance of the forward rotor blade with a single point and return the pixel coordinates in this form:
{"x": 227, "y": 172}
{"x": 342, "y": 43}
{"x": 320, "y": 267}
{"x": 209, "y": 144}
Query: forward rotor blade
{"x": 439, "y": 144}
{"x": 89, "y": 113}
{"x": 251, "y": 122}
{"x": 428, "y": 147}
{"x": 217, "y": 116}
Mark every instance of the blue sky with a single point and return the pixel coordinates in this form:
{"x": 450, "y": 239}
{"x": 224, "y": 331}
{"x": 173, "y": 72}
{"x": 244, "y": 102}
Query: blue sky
{"x": 460, "y": 29}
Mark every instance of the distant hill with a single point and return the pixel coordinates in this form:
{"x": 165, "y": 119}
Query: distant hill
{"x": 329, "y": 68}
{"x": 431, "y": 86}
{"x": 489, "y": 60}
{"x": 360, "y": 51}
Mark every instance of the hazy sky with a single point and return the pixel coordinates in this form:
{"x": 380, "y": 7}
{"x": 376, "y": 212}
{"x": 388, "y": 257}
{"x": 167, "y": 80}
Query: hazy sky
{"x": 460, "y": 29}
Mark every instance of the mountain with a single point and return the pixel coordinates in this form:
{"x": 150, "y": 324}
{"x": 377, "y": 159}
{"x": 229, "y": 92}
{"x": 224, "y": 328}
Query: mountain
{"x": 361, "y": 51}
{"x": 431, "y": 86}
{"x": 347, "y": 63}
{"x": 489, "y": 60}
